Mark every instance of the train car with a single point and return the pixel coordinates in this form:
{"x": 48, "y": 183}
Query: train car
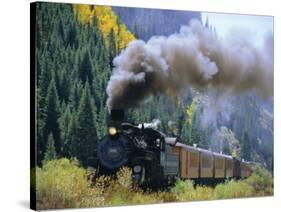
{"x": 189, "y": 161}
{"x": 219, "y": 165}
{"x": 206, "y": 166}
{"x": 229, "y": 165}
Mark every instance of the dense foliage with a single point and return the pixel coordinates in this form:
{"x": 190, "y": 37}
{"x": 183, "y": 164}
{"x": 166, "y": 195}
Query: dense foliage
{"x": 107, "y": 21}
{"x": 75, "y": 47}
{"x": 64, "y": 184}
{"x": 73, "y": 67}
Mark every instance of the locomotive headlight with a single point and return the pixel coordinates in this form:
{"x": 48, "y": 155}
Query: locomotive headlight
{"x": 137, "y": 169}
{"x": 112, "y": 131}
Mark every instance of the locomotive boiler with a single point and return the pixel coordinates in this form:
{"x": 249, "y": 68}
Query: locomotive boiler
{"x": 156, "y": 159}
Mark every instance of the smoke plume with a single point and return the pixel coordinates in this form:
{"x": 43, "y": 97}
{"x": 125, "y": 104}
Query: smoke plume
{"x": 194, "y": 57}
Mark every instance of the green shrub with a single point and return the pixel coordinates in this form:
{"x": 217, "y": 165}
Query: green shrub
{"x": 118, "y": 190}
{"x": 262, "y": 181}
{"x": 204, "y": 193}
{"x": 141, "y": 197}
{"x": 184, "y": 190}
{"x": 167, "y": 196}
{"x": 233, "y": 189}
{"x": 63, "y": 184}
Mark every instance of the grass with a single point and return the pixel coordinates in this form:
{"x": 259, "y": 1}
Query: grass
{"x": 64, "y": 184}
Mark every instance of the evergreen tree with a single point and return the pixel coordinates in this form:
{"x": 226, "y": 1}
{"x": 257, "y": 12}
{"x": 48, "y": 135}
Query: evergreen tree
{"x": 64, "y": 129}
{"x": 50, "y": 153}
{"x": 52, "y": 115}
{"x": 71, "y": 133}
{"x": 185, "y": 133}
{"x": 245, "y": 147}
{"x": 112, "y": 47}
{"x": 85, "y": 135}
{"x": 64, "y": 86}
{"x": 102, "y": 126}
{"x": 71, "y": 35}
{"x": 40, "y": 144}
{"x": 75, "y": 95}
{"x": 61, "y": 30}
{"x": 85, "y": 69}
{"x": 45, "y": 77}
{"x": 204, "y": 138}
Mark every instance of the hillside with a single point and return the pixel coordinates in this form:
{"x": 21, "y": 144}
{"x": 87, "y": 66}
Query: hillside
{"x": 145, "y": 23}
{"x": 75, "y": 47}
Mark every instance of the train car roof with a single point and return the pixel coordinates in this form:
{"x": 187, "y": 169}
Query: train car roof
{"x": 186, "y": 146}
{"x": 203, "y": 150}
{"x": 222, "y": 155}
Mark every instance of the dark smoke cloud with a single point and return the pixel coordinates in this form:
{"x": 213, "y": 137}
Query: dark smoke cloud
{"x": 194, "y": 57}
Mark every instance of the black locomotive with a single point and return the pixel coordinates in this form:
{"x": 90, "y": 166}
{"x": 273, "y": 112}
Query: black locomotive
{"x": 156, "y": 159}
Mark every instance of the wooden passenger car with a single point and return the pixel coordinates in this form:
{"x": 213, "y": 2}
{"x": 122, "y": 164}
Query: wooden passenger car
{"x": 189, "y": 161}
{"x": 229, "y": 165}
{"x": 206, "y": 164}
{"x": 195, "y": 163}
{"x": 219, "y": 165}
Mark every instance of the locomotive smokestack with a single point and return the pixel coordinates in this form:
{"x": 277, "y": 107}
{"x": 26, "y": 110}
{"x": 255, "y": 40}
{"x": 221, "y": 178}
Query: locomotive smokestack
{"x": 117, "y": 115}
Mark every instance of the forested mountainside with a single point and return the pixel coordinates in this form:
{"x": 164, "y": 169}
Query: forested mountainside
{"x": 146, "y": 22}
{"x": 75, "y": 47}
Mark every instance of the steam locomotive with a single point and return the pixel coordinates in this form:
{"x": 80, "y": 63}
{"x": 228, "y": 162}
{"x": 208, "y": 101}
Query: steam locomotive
{"x": 156, "y": 160}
